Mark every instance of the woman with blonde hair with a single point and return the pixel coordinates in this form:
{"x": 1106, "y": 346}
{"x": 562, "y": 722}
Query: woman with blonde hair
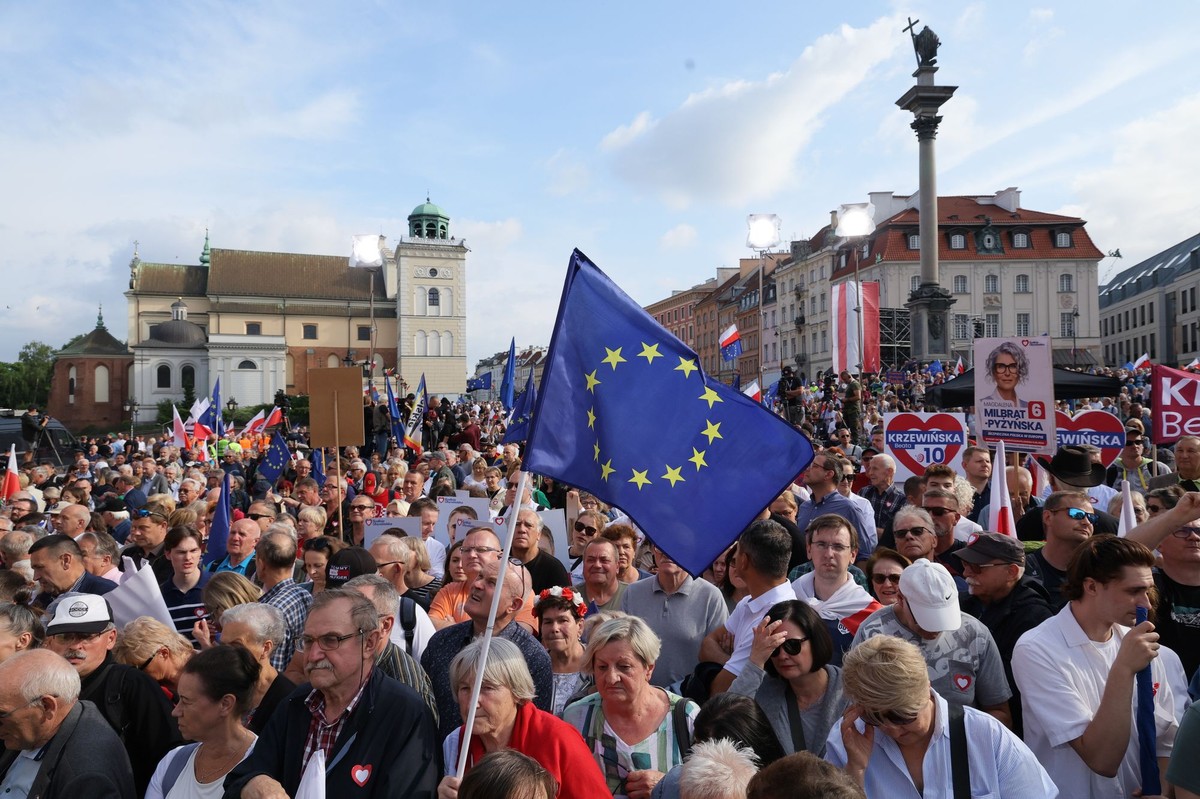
{"x": 223, "y": 591}
{"x": 310, "y": 522}
{"x": 422, "y": 586}
{"x": 151, "y": 646}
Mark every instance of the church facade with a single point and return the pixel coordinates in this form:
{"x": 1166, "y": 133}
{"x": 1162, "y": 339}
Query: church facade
{"x": 260, "y": 321}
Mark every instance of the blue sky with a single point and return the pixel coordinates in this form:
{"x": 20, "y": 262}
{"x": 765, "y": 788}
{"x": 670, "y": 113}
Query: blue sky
{"x": 641, "y": 133}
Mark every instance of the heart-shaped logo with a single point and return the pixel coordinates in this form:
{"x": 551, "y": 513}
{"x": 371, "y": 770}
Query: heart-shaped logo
{"x": 917, "y": 440}
{"x": 360, "y": 775}
{"x": 1098, "y": 428}
{"x": 962, "y": 681}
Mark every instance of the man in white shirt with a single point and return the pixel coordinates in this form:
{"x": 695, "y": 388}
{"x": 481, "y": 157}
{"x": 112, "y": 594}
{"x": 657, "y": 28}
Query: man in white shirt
{"x": 1076, "y": 672}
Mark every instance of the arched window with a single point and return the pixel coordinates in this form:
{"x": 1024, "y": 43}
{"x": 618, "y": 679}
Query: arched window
{"x": 187, "y": 377}
{"x": 420, "y": 301}
{"x": 434, "y": 306}
{"x": 958, "y": 242}
{"x": 1066, "y": 282}
{"x": 420, "y": 343}
{"x": 332, "y": 362}
{"x": 71, "y": 374}
{"x": 101, "y": 378}
{"x": 960, "y": 284}
{"x": 447, "y": 343}
{"x": 447, "y": 300}
{"x": 247, "y": 364}
{"x": 1021, "y": 284}
{"x": 991, "y": 284}
{"x": 163, "y": 376}
{"x": 1021, "y": 241}
{"x": 435, "y": 343}
{"x": 915, "y": 283}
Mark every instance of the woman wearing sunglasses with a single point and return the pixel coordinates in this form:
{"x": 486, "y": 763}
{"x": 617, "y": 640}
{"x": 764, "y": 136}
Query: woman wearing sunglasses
{"x": 894, "y": 736}
{"x": 790, "y": 677}
{"x": 883, "y": 574}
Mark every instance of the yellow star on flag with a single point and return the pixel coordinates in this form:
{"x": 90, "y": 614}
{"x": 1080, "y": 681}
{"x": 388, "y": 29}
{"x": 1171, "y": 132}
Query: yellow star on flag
{"x": 592, "y": 382}
{"x": 592, "y": 418}
{"x": 710, "y": 396}
{"x": 606, "y": 469}
{"x": 614, "y": 357}
{"x": 698, "y": 458}
{"x": 673, "y": 475}
{"x": 686, "y": 365}
{"x": 596, "y": 447}
{"x": 639, "y": 478}
{"x": 711, "y": 431}
{"x": 649, "y": 352}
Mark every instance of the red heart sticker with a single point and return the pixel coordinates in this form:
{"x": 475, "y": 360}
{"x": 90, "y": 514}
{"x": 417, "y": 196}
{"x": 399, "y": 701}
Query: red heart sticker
{"x": 916, "y": 443}
{"x": 1098, "y": 428}
{"x": 962, "y": 681}
{"x": 360, "y": 775}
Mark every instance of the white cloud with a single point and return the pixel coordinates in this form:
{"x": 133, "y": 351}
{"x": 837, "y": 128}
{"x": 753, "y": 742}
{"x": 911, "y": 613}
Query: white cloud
{"x": 740, "y": 141}
{"x": 567, "y": 174}
{"x": 679, "y": 237}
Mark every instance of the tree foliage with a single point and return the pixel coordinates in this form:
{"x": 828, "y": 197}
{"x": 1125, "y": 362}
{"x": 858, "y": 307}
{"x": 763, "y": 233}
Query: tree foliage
{"x": 26, "y": 381}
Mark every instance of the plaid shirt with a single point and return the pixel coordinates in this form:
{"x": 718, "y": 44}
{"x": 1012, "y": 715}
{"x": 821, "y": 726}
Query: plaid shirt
{"x": 293, "y": 602}
{"x": 323, "y": 733}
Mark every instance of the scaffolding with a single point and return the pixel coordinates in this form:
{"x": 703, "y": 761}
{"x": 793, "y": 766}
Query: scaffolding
{"x": 895, "y": 337}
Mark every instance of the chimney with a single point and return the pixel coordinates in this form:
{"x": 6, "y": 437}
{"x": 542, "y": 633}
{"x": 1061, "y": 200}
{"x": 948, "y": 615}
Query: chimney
{"x": 833, "y": 221}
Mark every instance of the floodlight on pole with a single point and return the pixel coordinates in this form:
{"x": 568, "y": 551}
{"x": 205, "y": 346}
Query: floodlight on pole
{"x": 857, "y": 221}
{"x": 762, "y": 233}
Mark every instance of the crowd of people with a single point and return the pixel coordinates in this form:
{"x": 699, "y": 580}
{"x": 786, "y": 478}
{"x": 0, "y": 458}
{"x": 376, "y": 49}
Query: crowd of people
{"x": 862, "y": 637}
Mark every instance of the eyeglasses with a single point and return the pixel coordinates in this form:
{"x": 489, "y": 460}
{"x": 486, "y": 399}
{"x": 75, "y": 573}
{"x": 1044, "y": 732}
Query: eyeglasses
{"x": 937, "y": 513}
{"x": 889, "y": 718}
{"x": 978, "y": 567}
{"x": 880, "y": 579}
{"x": 1078, "y": 514}
{"x": 1011, "y": 368}
{"x": 363, "y": 508}
{"x": 791, "y": 646}
{"x": 327, "y": 642}
{"x": 257, "y": 516}
{"x": 913, "y": 531}
{"x": 846, "y": 478}
{"x": 382, "y": 566}
{"x": 580, "y": 527}
{"x": 478, "y": 550}
{"x": 1186, "y": 532}
{"x": 6, "y": 713}
{"x": 148, "y": 661}
{"x": 76, "y": 638}
{"x": 827, "y": 546}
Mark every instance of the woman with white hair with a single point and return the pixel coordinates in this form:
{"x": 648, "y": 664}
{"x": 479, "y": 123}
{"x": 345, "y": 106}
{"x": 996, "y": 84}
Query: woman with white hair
{"x": 899, "y": 735}
{"x": 506, "y": 718}
{"x": 636, "y": 731}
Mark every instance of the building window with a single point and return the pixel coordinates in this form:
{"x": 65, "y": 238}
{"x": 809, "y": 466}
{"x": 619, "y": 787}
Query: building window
{"x": 914, "y": 241}
{"x": 1062, "y": 239}
{"x": 364, "y": 332}
{"x": 991, "y": 325}
{"x": 162, "y": 376}
{"x": 960, "y": 284}
{"x": 822, "y": 301}
{"x": 824, "y": 341}
{"x": 1066, "y": 282}
{"x": 958, "y": 241}
{"x": 1066, "y": 324}
{"x": 1151, "y": 313}
{"x": 71, "y": 385}
{"x": 309, "y": 331}
{"x": 991, "y": 284}
{"x": 961, "y": 320}
{"x": 101, "y": 387}
{"x": 435, "y": 300}
{"x": 247, "y": 364}
{"x": 1021, "y": 241}
{"x": 914, "y": 284}
{"x": 1022, "y": 324}
{"x": 187, "y": 377}
{"x": 1021, "y": 284}
{"x": 254, "y": 328}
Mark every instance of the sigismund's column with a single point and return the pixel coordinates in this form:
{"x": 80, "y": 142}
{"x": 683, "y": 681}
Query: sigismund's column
{"x": 929, "y": 305}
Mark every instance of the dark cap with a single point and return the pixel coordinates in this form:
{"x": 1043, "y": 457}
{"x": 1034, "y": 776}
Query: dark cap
{"x": 344, "y": 566}
{"x": 112, "y": 505}
{"x": 987, "y": 547}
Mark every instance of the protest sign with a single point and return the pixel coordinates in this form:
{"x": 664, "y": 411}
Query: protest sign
{"x": 917, "y": 440}
{"x": 1014, "y": 394}
{"x": 1101, "y": 429}
{"x": 1175, "y": 397}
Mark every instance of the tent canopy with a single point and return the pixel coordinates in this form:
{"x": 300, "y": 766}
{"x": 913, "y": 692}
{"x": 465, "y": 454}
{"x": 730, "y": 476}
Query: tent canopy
{"x": 960, "y": 392}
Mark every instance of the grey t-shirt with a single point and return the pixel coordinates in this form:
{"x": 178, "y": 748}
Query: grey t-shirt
{"x": 681, "y": 620}
{"x": 964, "y": 664}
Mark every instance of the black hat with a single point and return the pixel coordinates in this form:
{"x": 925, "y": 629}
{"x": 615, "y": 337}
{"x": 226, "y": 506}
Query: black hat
{"x": 344, "y": 566}
{"x": 112, "y": 505}
{"x": 1074, "y": 466}
{"x": 985, "y": 547}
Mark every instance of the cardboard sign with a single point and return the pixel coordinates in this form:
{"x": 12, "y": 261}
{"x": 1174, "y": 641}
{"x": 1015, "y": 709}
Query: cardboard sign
{"x": 335, "y": 413}
{"x": 467, "y": 508}
{"x": 1099, "y": 428}
{"x": 373, "y": 528}
{"x": 918, "y": 440}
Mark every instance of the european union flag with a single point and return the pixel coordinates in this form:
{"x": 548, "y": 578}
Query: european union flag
{"x": 277, "y": 458}
{"x": 772, "y": 393}
{"x": 626, "y": 412}
{"x": 216, "y": 548}
{"x": 394, "y": 412}
{"x": 518, "y": 429}
{"x": 480, "y": 383}
{"x": 737, "y": 381}
{"x": 508, "y": 384}
{"x": 211, "y": 418}
{"x": 934, "y": 368}
{"x": 318, "y": 466}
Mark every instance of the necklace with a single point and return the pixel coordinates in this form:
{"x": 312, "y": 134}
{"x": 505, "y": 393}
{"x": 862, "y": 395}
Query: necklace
{"x": 220, "y": 767}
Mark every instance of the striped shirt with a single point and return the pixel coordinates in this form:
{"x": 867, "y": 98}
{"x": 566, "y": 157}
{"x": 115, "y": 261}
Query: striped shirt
{"x": 186, "y": 607}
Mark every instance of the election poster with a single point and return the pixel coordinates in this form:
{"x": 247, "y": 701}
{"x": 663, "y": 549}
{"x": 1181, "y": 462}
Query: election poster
{"x": 918, "y": 440}
{"x": 1175, "y": 397}
{"x": 1014, "y": 394}
{"x": 1101, "y": 429}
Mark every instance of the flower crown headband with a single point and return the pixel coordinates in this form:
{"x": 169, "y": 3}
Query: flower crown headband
{"x": 558, "y": 592}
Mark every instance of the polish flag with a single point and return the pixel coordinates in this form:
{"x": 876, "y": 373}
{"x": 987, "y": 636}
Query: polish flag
{"x": 730, "y": 343}
{"x": 1000, "y": 515}
{"x": 201, "y": 432}
{"x": 274, "y": 418}
{"x": 753, "y": 391}
{"x": 1142, "y": 361}
{"x": 179, "y": 438}
{"x": 958, "y": 367}
{"x": 255, "y": 425}
{"x": 848, "y": 351}
{"x": 12, "y": 478}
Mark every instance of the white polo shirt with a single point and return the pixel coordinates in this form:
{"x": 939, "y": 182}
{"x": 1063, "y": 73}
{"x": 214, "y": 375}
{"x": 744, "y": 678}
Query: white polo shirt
{"x": 1061, "y": 674}
{"x": 746, "y": 616}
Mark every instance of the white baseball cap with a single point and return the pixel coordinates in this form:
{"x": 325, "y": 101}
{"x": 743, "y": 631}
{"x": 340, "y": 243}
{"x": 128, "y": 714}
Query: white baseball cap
{"x": 79, "y": 613}
{"x": 931, "y": 596}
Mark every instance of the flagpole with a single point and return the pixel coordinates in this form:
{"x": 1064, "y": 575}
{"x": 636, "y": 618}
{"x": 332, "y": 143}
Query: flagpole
{"x": 337, "y": 464}
{"x": 464, "y": 743}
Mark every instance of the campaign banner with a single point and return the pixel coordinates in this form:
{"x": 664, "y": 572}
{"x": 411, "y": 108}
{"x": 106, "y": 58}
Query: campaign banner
{"x": 895, "y": 377}
{"x": 918, "y": 440}
{"x": 1101, "y": 429}
{"x": 1014, "y": 394}
{"x": 1175, "y": 397}
{"x": 394, "y": 525}
{"x": 453, "y": 510}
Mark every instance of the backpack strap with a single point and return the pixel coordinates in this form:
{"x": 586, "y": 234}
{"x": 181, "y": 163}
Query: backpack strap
{"x": 679, "y": 720}
{"x": 960, "y": 765}
{"x": 408, "y": 621}
{"x": 176, "y": 765}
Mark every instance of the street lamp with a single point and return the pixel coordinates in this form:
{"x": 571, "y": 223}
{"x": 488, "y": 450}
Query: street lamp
{"x": 347, "y": 361}
{"x": 761, "y": 235}
{"x": 131, "y": 408}
{"x": 1075, "y": 337}
{"x": 856, "y": 221}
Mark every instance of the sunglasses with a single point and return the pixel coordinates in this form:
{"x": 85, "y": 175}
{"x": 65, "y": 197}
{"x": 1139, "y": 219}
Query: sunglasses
{"x": 257, "y": 516}
{"x": 906, "y": 532}
{"x": 880, "y": 579}
{"x": 142, "y": 513}
{"x": 846, "y": 478}
{"x": 1078, "y": 514}
{"x": 1155, "y": 508}
{"x": 938, "y": 512}
{"x": 791, "y": 646}
{"x": 580, "y": 527}
{"x": 889, "y": 718}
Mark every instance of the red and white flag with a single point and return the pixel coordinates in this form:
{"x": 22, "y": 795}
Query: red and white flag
{"x": 1142, "y": 361}
{"x": 848, "y": 302}
{"x": 958, "y": 367}
{"x": 255, "y": 425}
{"x": 179, "y": 432}
{"x": 1000, "y": 515}
{"x": 273, "y": 418}
{"x": 12, "y": 477}
{"x": 753, "y": 391}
